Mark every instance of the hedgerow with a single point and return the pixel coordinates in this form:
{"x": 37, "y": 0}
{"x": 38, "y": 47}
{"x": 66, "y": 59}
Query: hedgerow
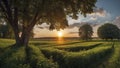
{"x": 81, "y": 59}
{"x": 37, "y": 59}
{"x": 78, "y": 47}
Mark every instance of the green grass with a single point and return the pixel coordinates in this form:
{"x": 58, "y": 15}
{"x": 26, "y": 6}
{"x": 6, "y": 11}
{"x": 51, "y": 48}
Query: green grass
{"x": 79, "y": 47}
{"x": 13, "y": 58}
{"x": 114, "y": 60}
{"x": 60, "y": 54}
{"x": 37, "y": 59}
{"x": 6, "y": 42}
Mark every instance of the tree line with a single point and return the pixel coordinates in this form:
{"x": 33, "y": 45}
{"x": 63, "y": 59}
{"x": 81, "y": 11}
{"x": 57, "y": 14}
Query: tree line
{"x": 106, "y": 31}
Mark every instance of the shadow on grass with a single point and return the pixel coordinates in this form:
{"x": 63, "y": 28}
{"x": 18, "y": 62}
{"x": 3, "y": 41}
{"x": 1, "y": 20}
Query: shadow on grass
{"x": 103, "y": 61}
{"x": 70, "y": 43}
{"x": 7, "y": 52}
{"x": 40, "y": 43}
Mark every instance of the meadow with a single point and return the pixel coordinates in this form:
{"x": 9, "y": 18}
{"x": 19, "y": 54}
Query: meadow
{"x": 60, "y": 54}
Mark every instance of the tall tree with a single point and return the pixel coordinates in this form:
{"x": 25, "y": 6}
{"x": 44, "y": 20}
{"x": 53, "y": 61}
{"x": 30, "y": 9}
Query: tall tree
{"x": 28, "y": 13}
{"x": 85, "y": 32}
{"x": 108, "y": 31}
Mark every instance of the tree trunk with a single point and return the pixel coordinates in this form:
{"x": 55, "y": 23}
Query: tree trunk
{"x": 17, "y": 38}
{"x": 25, "y": 37}
{"x": 25, "y": 40}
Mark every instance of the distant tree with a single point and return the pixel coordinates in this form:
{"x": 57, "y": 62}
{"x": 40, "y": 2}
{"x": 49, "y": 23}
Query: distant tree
{"x": 108, "y": 31}
{"x": 85, "y": 32}
{"x": 3, "y": 31}
{"x": 6, "y": 31}
{"x": 28, "y": 13}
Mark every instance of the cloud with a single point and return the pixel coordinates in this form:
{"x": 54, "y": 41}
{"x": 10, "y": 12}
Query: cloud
{"x": 76, "y": 25}
{"x": 73, "y": 33}
{"x": 99, "y": 14}
{"x": 42, "y": 26}
{"x": 117, "y": 21}
{"x": 82, "y": 23}
{"x": 93, "y": 18}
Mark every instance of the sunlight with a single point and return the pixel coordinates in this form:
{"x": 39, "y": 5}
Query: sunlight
{"x": 60, "y": 34}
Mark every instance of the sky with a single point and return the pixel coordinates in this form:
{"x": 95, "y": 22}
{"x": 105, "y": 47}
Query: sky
{"x": 108, "y": 11}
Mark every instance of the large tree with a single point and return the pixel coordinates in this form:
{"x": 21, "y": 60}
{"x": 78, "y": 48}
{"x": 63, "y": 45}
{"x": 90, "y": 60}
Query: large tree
{"x": 28, "y": 13}
{"x": 85, "y": 32}
{"x": 108, "y": 31}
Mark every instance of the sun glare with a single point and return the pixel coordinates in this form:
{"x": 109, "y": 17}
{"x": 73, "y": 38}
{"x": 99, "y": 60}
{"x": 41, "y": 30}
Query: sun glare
{"x": 60, "y": 34}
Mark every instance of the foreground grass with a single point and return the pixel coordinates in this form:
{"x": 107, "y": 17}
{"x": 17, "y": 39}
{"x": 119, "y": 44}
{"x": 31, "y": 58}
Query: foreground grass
{"x": 114, "y": 60}
{"x": 13, "y": 58}
{"x": 67, "y": 54}
{"x": 37, "y": 60}
{"x": 81, "y": 59}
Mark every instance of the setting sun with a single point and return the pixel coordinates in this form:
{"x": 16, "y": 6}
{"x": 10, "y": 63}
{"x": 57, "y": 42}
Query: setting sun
{"x": 60, "y": 34}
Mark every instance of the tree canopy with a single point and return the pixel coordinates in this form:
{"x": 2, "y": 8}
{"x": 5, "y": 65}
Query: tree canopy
{"x": 28, "y": 13}
{"x": 85, "y": 32}
{"x": 108, "y": 31}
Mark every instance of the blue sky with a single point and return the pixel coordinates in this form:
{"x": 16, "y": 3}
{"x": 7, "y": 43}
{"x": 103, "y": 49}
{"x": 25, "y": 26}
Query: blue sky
{"x": 107, "y": 11}
{"x": 111, "y": 6}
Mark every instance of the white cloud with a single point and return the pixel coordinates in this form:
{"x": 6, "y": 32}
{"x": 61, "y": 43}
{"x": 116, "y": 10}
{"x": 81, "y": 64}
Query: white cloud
{"x": 117, "y": 21}
{"x": 98, "y": 12}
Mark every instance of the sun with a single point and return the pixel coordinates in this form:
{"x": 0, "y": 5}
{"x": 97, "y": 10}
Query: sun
{"x": 60, "y": 34}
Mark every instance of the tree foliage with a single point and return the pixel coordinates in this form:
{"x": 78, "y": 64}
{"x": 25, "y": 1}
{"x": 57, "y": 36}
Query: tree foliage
{"x": 28, "y": 13}
{"x": 108, "y": 31}
{"x": 85, "y": 32}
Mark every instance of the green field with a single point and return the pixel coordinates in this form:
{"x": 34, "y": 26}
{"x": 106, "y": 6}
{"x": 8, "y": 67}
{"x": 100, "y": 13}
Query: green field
{"x": 65, "y": 54}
